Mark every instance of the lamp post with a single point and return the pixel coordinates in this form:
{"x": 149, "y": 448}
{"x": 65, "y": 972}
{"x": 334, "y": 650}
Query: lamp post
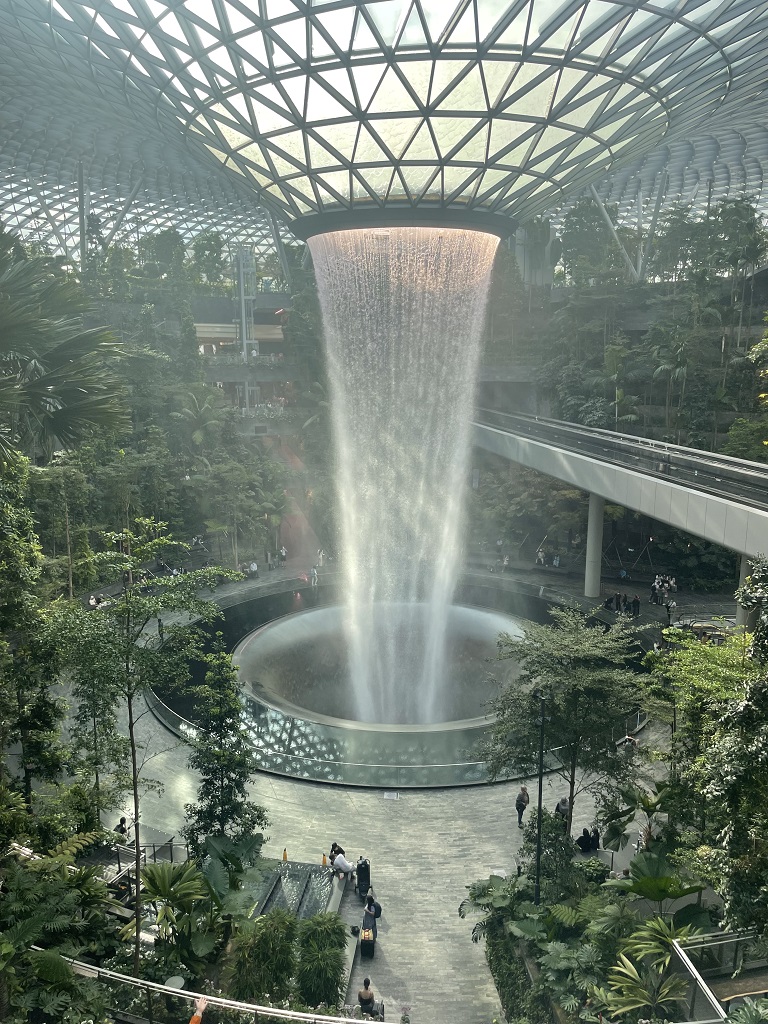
{"x": 537, "y": 885}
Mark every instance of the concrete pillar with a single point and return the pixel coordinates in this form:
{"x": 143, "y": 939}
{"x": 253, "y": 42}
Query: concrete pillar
{"x": 594, "y": 546}
{"x": 742, "y": 614}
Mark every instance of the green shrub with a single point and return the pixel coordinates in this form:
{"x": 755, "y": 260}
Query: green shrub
{"x": 521, "y": 1002}
{"x": 263, "y": 958}
{"x": 321, "y": 963}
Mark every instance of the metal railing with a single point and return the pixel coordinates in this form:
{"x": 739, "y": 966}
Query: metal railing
{"x": 120, "y": 985}
{"x": 720, "y": 475}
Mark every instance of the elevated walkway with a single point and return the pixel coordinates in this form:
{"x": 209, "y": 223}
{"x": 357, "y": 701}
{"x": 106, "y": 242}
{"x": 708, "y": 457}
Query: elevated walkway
{"x": 720, "y": 499}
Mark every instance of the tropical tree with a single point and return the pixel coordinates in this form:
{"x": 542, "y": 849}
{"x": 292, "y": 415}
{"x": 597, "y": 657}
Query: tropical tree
{"x": 222, "y": 755}
{"x": 577, "y": 673}
{"x": 117, "y": 644}
{"x": 56, "y": 380}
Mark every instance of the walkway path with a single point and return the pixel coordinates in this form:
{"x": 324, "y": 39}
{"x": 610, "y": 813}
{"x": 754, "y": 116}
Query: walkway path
{"x": 425, "y": 847}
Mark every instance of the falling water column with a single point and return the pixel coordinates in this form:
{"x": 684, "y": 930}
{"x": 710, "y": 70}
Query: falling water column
{"x": 403, "y": 312}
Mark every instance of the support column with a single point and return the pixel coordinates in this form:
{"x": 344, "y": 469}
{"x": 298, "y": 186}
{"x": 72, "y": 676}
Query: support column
{"x": 594, "y": 564}
{"x": 742, "y": 614}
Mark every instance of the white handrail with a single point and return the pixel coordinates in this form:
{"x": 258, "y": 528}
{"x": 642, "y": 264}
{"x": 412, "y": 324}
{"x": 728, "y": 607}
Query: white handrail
{"x": 91, "y": 971}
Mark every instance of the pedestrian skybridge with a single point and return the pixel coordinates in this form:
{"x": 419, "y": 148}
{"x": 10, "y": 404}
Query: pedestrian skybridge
{"x": 720, "y": 499}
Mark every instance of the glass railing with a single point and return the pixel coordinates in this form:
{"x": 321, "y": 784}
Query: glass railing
{"x": 721, "y": 475}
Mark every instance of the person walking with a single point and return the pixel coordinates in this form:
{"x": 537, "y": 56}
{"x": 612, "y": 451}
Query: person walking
{"x": 521, "y": 803}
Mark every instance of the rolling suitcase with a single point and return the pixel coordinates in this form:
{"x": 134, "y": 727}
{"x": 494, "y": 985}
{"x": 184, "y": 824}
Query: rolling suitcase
{"x": 363, "y": 870}
{"x": 367, "y": 944}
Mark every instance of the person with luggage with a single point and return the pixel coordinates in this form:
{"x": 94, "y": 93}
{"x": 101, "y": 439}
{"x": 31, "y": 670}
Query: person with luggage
{"x": 371, "y": 914}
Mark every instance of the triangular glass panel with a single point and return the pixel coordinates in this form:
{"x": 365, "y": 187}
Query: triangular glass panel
{"x": 342, "y": 138}
{"x": 281, "y": 58}
{"x": 465, "y": 32}
{"x": 368, "y": 149}
{"x": 290, "y": 143}
{"x": 418, "y": 74}
{"x": 338, "y": 25}
{"x": 496, "y": 74}
{"x": 437, "y": 15}
{"x": 366, "y": 79}
{"x": 535, "y": 101}
{"x": 339, "y": 81}
{"x": 446, "y": 72}
{"x": 451, "y": 131}
{"x": 238, "y": 21}
{"x": 555, "y": 38}
{"x": 202, "y": 9}
{"x": 395, "y": 133}
{"x": 291, "y": 38}
{"x": 474, "y": 149}
{"x": 468, "y": 95}
{"x": 489, "y": 13}
{"x": 455, "y": 177}
{"x": 385, "y": 17}
{"x": 234, "y": 139}
{"x": 364, "y": 37}
{"x": 279, "y": 8}
{"x": 422, "y": 147}
{"x": 319, "y": 156}
{"x": 391, "y": 96}
{"x": 413, "y": 31}
{"x": 417, "y": 177}
{"x": 296, "y": 89}
{"x": 516, "y": 32}
{"x": 491, "y": 181}
{"x": 268, "y": 120}
{"x": 337, "y": 183}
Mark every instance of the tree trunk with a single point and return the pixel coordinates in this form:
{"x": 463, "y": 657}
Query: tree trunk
{"x": 571, "y": 789}
{"x": 70, "y": 588}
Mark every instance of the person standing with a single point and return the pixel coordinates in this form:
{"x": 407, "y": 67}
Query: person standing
{"x": 561, "y": 810}
{"x": 313, "y": 576}
{"x": 283, "y": 555}
{"x": 521, "y": 803}
{"x": 636, "y": 605}
{"x": 671, "y": 607}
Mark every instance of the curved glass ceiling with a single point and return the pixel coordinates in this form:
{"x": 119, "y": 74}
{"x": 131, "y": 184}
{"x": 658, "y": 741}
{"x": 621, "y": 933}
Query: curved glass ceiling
{"x": 213, "y": 107}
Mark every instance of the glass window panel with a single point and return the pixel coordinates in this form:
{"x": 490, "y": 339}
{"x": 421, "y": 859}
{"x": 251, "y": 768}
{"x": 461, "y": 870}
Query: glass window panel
{"x": 582, "y": 114}
{"x": 320, "y": 44}
{"x": 446, "y": 72}
{"x": 368, "y": 149}
{"x": 422, "y": 147}
{"x": 342, "y": 137}
{"x": 450, "y": 131}
{"x": 437, "y": 14}
{"x": 367, "y": 79}
{"x": 455, "y": 177}
{"x": 465, "y": 31}
{"x": 204, "y": 10}
{"x": 319, "y": 156}
{"x": 321, "y": 105}
{"x": 489, "y": 12}
{"x": 467, "y": 95}
{"x": 505, "y": 132}
{"x": 391, "y": 95}
{"x": 282, "y": 58}
{"x": 238, "y": 21}
{"x": 417, "y": 177}
{"x": 339, "y": 80}
{"x": 234, "y": 138}
{"x": 386, "y": 17}
{"x": 364, "y": 37}
{"x": 475, "y": 148}
{"x": 413, "y": 31}
{"x": 267, "y": 120}
{"x": 206, "y": 39}
{"x": 295, "y": 88}
{"x": 419, "y": 75}
{"x": 491, "y": 179}
{"x": 339, "y": 25}
{"x": 535, "y": 100}
{"x": 377, "y": 178}
{"x": 220, "y": 56}
{"x": 337, "y": 181}
{"x": 560, "y": 38}
{"x": 279, "y": 8}
{"x": 395, "y": 133}
{"x": 496, "y": 74}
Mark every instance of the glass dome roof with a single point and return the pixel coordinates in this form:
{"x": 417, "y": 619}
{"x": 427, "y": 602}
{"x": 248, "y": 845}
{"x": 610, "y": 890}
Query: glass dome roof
{"x": 308, "y": 106}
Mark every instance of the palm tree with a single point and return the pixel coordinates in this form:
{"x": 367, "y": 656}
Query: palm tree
{"x": 55, "y": 383}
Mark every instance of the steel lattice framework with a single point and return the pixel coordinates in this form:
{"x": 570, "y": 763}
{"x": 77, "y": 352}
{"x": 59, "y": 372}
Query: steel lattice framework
{"x": 208, "y": 112}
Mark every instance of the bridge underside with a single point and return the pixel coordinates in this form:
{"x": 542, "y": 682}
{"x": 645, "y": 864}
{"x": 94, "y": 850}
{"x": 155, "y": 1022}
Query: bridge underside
{"x": 722, "y": 521}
